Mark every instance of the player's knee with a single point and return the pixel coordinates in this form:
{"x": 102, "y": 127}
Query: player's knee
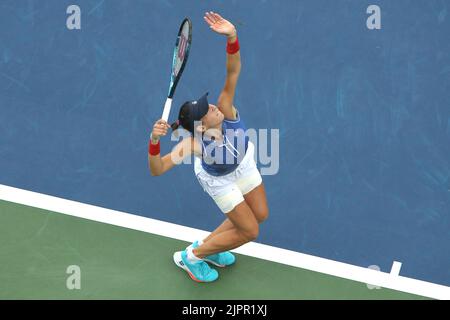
{"x": 263, "y": 215}
{"x": 252, "y": 233}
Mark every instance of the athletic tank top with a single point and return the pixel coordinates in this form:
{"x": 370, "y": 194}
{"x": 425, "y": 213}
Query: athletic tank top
{"x": 221, "y": 158}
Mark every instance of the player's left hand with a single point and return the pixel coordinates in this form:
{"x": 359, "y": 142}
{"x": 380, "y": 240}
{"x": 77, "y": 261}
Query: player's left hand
{"x": 219, "y": 24}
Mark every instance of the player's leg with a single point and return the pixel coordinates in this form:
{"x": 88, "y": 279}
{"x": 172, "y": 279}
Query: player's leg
{"x": 245, "y": 229}
{"x": 254, "y": 194}
{"x": 257, "y": 201}
{"x": 260, "y": 212}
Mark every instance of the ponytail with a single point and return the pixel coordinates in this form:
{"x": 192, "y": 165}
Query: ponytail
{"x": 175, "y": 125}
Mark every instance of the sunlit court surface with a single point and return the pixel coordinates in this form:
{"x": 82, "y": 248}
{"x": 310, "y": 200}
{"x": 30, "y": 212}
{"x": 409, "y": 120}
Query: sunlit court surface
{"x": 224, "y": 151}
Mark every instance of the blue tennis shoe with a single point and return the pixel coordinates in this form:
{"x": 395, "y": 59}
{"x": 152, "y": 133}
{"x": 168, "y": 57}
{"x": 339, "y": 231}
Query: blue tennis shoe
{"x": 221, "y": 259}
{"x": 198, "y": 271}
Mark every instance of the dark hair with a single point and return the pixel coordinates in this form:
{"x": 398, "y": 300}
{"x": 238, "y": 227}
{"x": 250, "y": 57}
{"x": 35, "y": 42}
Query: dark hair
{"x": 175, "y": 125}
{"x": 183, "y": 119}
{"x": 190, "y": 112}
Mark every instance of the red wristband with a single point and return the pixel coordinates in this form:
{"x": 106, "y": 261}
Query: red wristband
{"x": 232, "y": 48}
{"x": 154, "y": 149}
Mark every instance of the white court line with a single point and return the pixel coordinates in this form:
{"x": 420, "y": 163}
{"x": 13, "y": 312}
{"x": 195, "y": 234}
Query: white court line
{"x": 395, "y": 269}
{"x": 257, "y": 250}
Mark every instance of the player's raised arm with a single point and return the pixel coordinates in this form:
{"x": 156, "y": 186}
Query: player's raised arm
{"x": 224, "y": 27}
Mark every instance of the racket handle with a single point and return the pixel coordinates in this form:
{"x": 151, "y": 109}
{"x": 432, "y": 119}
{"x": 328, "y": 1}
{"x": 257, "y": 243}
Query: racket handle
{"x": 166, "y": 112}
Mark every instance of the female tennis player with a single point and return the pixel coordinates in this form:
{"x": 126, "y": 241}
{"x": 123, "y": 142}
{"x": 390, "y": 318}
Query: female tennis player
{"x": 224, "y": 166}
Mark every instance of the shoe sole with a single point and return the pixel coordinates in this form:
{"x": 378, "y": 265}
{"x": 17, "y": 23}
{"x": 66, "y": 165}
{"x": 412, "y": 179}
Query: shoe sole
{"x": 179, "y": 262}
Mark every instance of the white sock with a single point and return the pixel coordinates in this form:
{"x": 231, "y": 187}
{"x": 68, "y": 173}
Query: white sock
{"x": 200, "y": 242}
{"x": 191, "y": 256}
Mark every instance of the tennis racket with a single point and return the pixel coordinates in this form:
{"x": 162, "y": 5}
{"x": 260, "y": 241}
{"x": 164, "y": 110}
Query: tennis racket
{"x": 180, "y": 57}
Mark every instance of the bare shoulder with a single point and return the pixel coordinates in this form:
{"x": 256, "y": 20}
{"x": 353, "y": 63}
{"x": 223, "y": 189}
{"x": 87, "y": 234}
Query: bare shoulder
{"x": 232, "y": 115}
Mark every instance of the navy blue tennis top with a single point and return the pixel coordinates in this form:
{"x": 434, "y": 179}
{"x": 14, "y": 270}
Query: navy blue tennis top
{"x": 221, "y": 158}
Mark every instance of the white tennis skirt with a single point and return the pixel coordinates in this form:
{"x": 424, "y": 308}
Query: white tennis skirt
{"x": 228, "y": 190}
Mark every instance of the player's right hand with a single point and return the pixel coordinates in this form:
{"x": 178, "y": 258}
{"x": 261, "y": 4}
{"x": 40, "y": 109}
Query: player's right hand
{"x": 160, "y": 129}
